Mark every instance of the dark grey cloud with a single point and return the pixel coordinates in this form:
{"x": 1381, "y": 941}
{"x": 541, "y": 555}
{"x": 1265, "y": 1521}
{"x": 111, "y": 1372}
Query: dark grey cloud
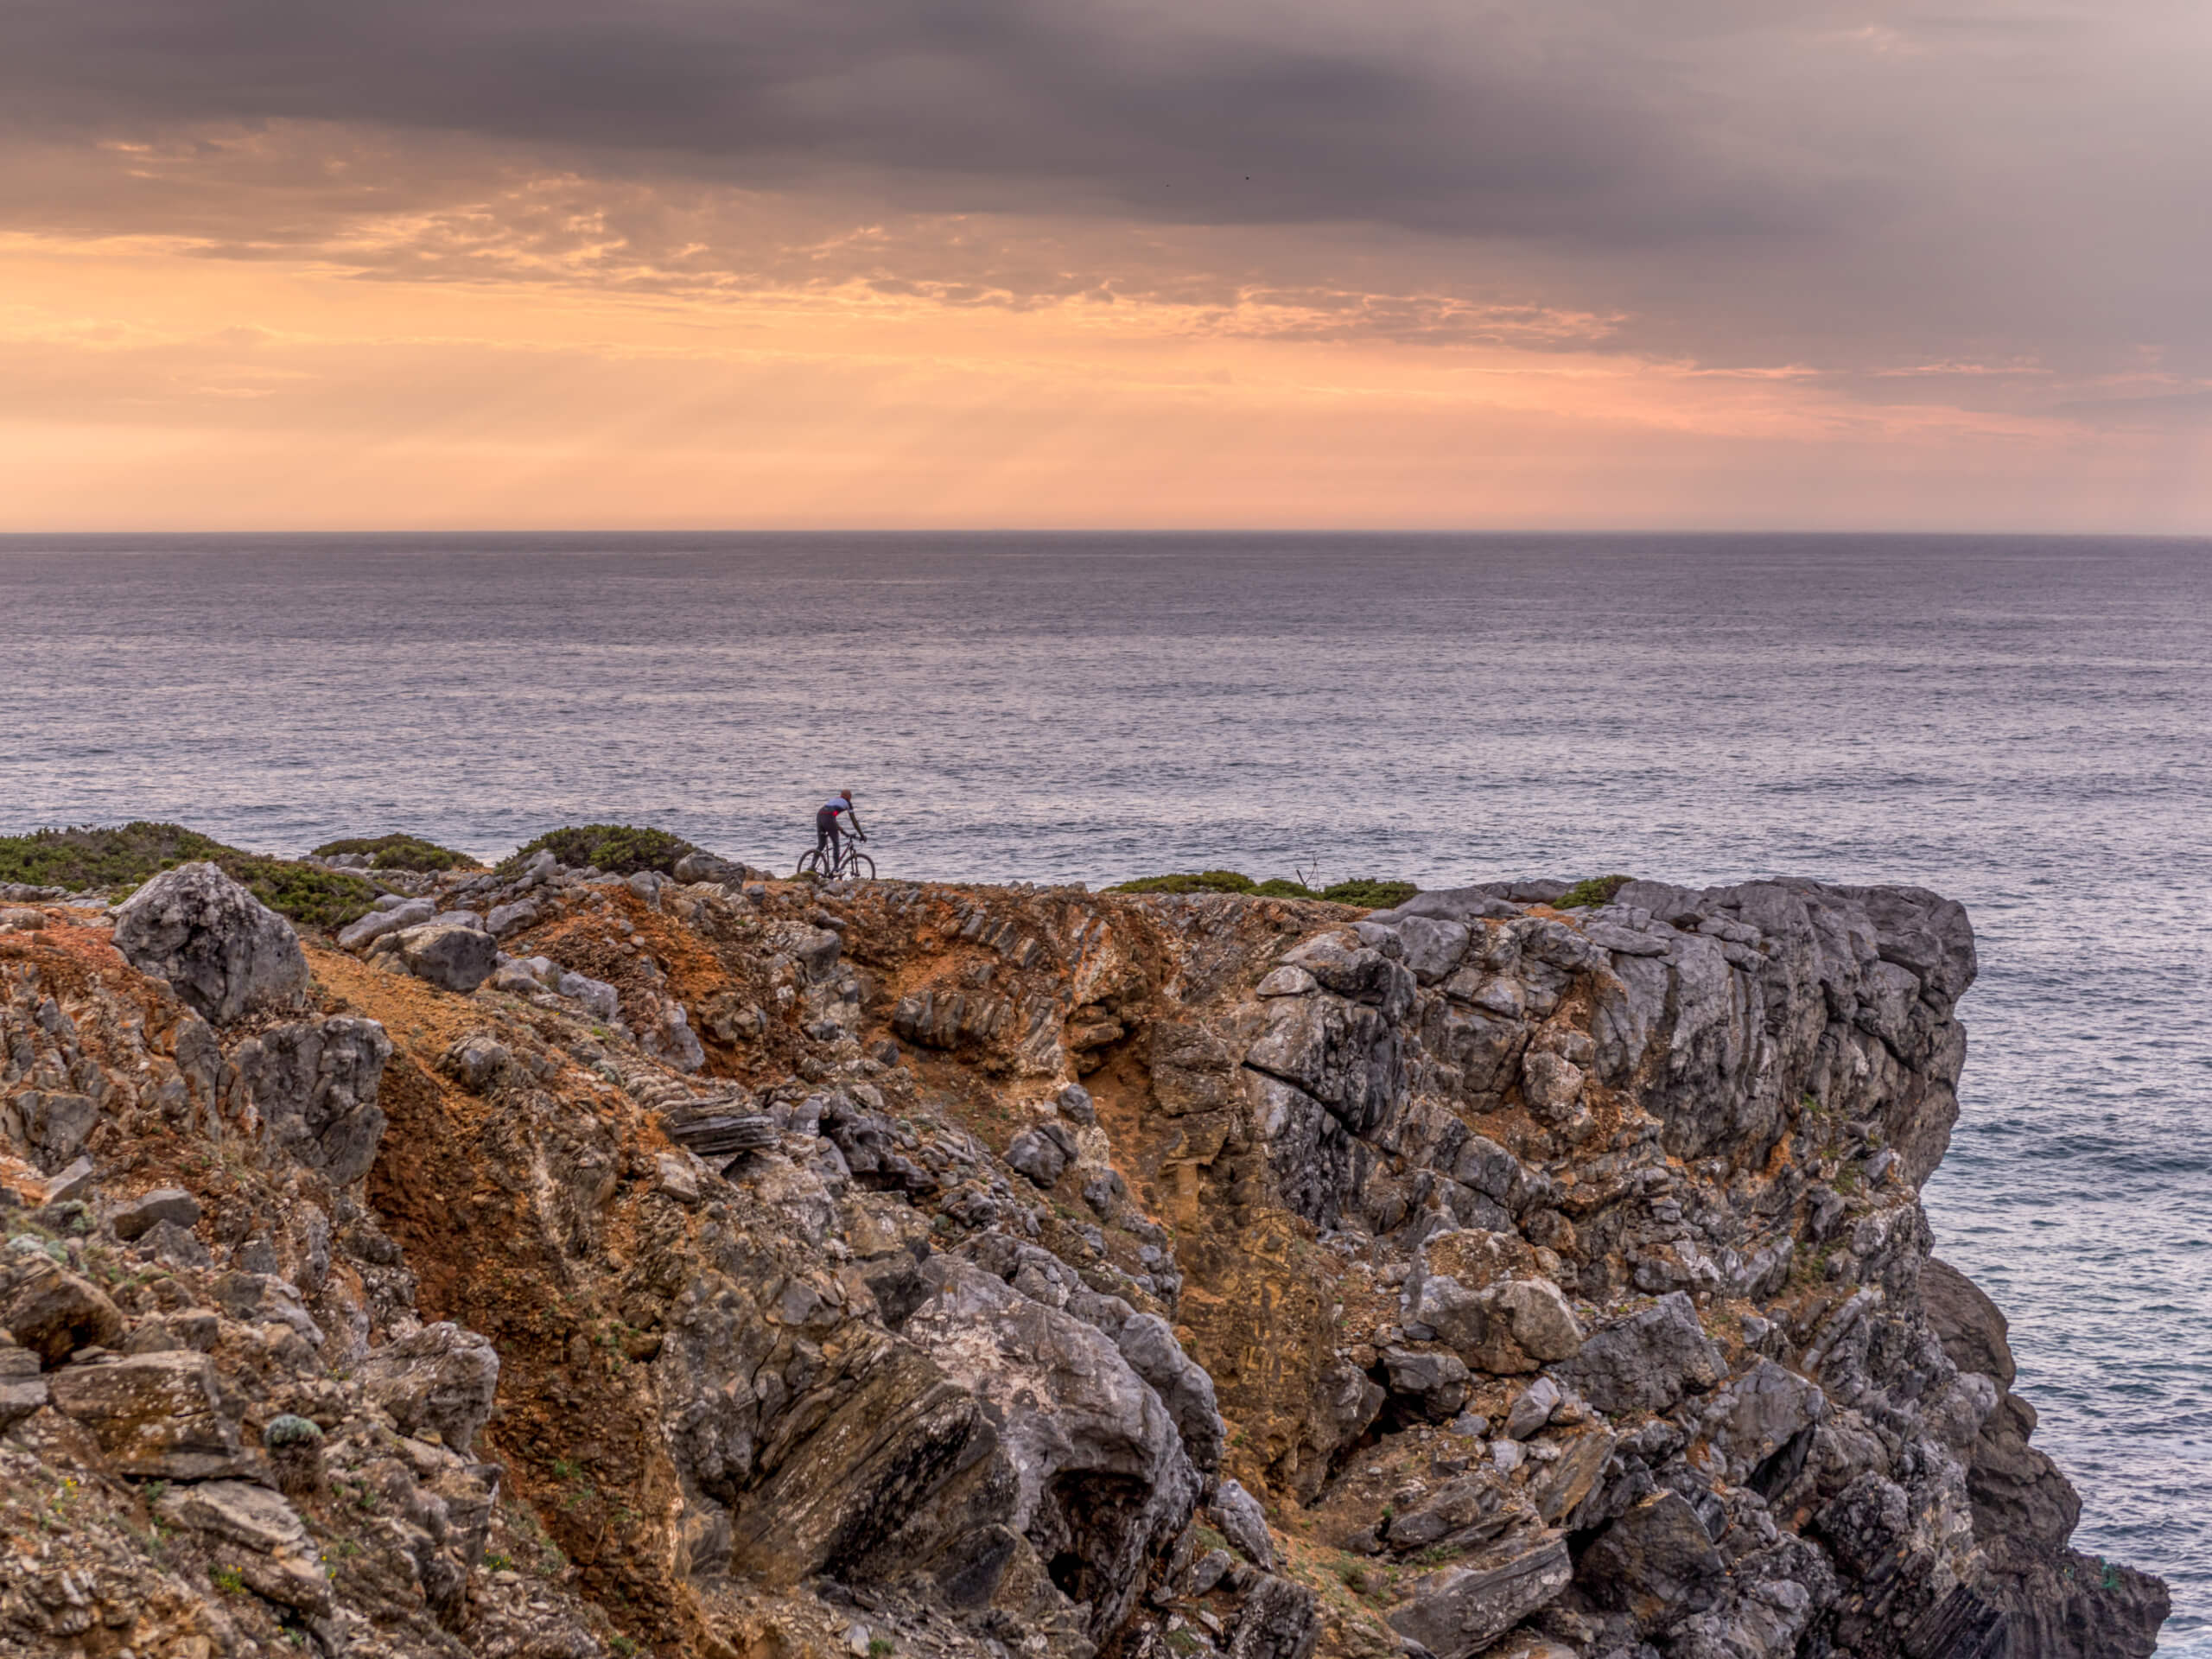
{"x": 1563, "y": 121}
{"x": 1858, "y": 186}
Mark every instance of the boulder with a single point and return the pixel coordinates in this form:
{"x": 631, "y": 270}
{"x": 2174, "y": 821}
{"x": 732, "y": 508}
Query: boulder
{"x": 511, "y": 919}
{"x": 1244, "y": 1523}
{"x": 158, "y": 1416}
{"x": 708, "y": 867}
{"x": 449, "y": 956}
{"x": 1648, "y": 1361}
{"x": 1280, "y": 1620}
{"x": 1971, "y": 1328}
{"x": 1101, "y": 1482}
{"x": 135, "y": 1218}
{"x": 1440, "y": 1379}
{"x": 1180, "y": 1382}
{"x": 58, "y": 1123}
{"x": 442, "y": 1377}
{"x": 411, "y": 913}
{"x": 53, "y": 1312}
{"x": 1470, "y": 1508}
{"x": 279, "y": 1560}
{"x": 1655, "y": 1564}
{"x": 1462, "y": 1609}
{"x": 1760, "y": 1413}
{"x": 601, "y": 1000}
{"x": 220, "y": 949}
{"x": 1039, "y": 1156}
{"x": 314, "y": 1085}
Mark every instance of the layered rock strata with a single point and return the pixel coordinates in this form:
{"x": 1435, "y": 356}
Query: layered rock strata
{"x": 575, "y": 1265}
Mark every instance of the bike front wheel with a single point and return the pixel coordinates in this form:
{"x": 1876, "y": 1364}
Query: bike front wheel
{"x": 860, "y": 867}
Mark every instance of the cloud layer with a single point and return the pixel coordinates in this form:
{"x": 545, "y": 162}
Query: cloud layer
{"x": 1991, "y": 209}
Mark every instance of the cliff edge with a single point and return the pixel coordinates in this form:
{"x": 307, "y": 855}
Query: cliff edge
{"x": 562, "y": 1264}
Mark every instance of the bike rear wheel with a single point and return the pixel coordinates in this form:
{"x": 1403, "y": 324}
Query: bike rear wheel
{"x": 811, "y": 864}
{"x": 860, "y": 867}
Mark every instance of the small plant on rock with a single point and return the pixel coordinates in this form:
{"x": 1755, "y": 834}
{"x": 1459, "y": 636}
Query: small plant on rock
{"x": 399, "y": 852}
{"x": 295, "y": 1445}
{"x": 1588, "y": 894}
{"x": 616, "y": 848}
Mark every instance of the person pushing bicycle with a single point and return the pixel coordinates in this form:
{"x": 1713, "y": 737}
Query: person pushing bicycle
{"x": 828, "y": 833}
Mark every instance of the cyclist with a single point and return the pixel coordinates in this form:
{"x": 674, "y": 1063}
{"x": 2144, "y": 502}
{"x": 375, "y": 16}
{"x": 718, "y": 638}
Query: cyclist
{"x": 828, "y": 835}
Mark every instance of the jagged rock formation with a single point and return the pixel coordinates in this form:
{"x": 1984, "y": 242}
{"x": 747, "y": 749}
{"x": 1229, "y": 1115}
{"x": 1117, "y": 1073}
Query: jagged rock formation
{"x": 730, "y": 1266}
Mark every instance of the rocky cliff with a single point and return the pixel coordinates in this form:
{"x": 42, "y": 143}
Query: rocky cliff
{"x": 563, "y": 1265}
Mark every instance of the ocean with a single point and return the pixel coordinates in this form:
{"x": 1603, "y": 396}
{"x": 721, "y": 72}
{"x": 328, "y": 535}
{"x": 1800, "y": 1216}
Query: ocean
{"x": 2018, "y": 723}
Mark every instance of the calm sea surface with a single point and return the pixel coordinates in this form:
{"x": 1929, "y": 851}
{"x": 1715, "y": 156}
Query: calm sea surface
{"x": 2019, "y": 723}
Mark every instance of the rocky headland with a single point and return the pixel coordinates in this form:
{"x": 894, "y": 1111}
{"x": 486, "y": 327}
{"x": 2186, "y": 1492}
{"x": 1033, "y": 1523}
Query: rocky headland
{"x": 551, "y": 1263}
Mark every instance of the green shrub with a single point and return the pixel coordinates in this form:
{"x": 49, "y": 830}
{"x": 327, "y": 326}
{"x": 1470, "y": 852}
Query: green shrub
{"x": 1370, "y": 893}
{"x": 1203, "y": 881}
{"x": 288, "y": 1430}
{"x": 1367, "y": 892}
{"x": 399, "y": 852}
{"x": 1597, "y": 890}
{"x": 618, "y": 848}
{"x": 124, "y": 857}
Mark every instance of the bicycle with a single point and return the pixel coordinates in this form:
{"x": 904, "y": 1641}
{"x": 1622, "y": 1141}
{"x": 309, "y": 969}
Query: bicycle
{"x": 849, "y": 863}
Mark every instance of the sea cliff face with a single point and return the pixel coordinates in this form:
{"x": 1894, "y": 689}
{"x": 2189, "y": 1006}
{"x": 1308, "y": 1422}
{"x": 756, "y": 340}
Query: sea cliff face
{"x": 560, "y": 1264}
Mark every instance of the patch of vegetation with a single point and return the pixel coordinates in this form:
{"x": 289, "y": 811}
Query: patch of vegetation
{"x": 879, "y": 1647}
{"x": 124, "y": 857}
{"x": 229, "y": 1580}
{"x": 1597, "y": 890}
{"x": 290, "y": 1430}
{"x": 1370, "y": 893}
{"x": 616, "y": 848}
{"x": 399, "y": 852}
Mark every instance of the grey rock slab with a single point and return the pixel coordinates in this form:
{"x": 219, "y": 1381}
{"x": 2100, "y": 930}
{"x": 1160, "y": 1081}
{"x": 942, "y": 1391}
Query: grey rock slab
{"x": 19, "y": 1397}
{"x": 1181, "y": 1383}
{"x": 402, "y": 912}
{"x": 158, "y": 1416}
{"x": 1432, "y": 948}
{"x": 1648, "y": 1361}
{"x": 221, "y": 949}
{"x": 1244, "y": 1523}
{"x": 53, "y": 1312}
{"x": 511, "y": 919}
{"x": 451, "y": 957}
{"x": 1038, "y": 1156}
{"x": 134, "y": 1217}
{"x": 601, "y": 1000}
{"x": 1073, "y": 1417}
{"x": 1458, "y": 1613}
{"x": 1655, "y": 1563}
{"x": 75, "y": 1182}
{"x": 441, "y": 1377}
{"x": 1280, "y": 1620}
{"x": 314, "y": 1085}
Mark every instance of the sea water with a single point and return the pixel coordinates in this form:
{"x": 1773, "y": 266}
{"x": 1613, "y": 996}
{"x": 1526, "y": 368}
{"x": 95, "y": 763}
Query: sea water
{"x": 2019, "y": 723}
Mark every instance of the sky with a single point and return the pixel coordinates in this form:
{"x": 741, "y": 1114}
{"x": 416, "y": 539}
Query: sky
{"x": 1404, "y": 263}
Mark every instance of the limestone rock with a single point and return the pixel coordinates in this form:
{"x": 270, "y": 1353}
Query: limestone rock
{"x": 1244, "y": 1523}
{"x": 1460, "y": 1611}
{"x": 1655, "y": 1563}
{"x": 156, "y": 1415}
{"x": 451, "y": 957}
{"x": 412, "y": 912}
{"x": 1648, "y": 1361}
{"x": 1181, "y": 1383}
{"x": 1078, "y": 1424}
{"x": 314, "y": 1084}
{"x": 222, "y": 950}
{"x": 53, "y": 1312}
{"x": 135, "y": 1216}
{"x": 442, "y": 1377}
{"x": 1280, "y": 1620}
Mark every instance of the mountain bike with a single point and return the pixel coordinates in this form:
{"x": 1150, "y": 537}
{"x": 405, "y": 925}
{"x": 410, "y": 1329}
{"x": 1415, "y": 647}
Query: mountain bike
{"x": 849, "y": 863}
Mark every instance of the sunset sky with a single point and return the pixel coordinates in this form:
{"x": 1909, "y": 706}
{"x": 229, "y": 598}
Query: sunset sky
{"x": 1419, "y": 263}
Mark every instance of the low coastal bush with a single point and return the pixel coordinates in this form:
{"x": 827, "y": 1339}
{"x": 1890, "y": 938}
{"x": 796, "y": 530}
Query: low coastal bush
{"x": 618, "y": 848}
{"x": 1597, "y": 890}
{"x": 121, "y": 858}
{"x": 399, "y": 852}
{"x": 1367, "y": 892}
